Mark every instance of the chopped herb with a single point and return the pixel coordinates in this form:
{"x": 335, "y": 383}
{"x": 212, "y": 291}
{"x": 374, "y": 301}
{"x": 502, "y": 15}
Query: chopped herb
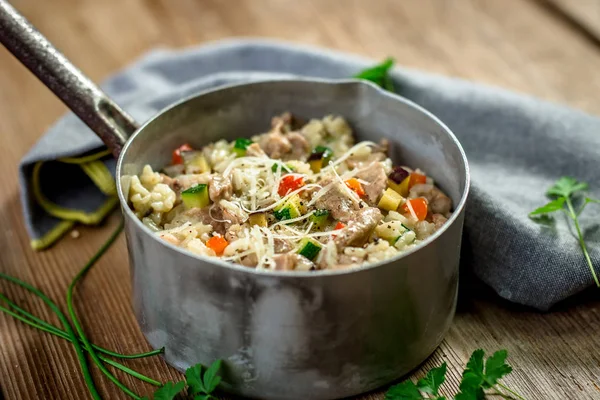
{"x": 565, "y": 192}
{"x": 240, "y": 145}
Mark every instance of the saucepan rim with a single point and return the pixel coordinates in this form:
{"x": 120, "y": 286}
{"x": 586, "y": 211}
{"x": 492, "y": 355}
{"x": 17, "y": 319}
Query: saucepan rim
{"x": 296, "y": 274}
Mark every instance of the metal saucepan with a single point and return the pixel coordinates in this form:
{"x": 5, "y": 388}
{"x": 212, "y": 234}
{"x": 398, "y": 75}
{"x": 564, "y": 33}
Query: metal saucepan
{"x": 282, "y": 335}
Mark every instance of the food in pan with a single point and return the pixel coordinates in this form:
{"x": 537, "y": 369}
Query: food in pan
{"x": 299, "y": 197}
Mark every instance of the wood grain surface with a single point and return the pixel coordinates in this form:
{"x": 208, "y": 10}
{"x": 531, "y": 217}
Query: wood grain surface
{"x": 517, "y": 44}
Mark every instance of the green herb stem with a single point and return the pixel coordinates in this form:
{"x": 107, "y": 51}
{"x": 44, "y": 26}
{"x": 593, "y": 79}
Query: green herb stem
{"x": 69, "y": 331}
{"x": 130, "y": 371}
{"x": 512, "y": 392}
{"x": 588, "y": 259}
{"x": 55, "y": 330}
{"x": 76, "y": 323}
{"x": 63, "y": 335}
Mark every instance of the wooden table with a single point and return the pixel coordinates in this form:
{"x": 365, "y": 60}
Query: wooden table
{"x": 524, "y": 45}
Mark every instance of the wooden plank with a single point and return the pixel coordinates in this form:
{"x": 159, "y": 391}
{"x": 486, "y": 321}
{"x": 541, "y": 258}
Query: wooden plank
{"x": 515, "y": 44}
{"x": 585, "y": 13}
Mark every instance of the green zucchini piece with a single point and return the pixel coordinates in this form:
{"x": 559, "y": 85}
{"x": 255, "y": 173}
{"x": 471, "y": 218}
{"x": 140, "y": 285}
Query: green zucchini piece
{"x": 309, "y": 248}
{"x": 288, "y": 210}
{"x": 319, "y": 158}
{"x": 240, "y": 145}
{"x": 196, "y": 196}
{"x": 320, "y": 218}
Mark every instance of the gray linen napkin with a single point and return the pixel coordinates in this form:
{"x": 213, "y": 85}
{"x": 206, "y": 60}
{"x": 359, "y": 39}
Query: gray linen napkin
{"x": 517, "y": 147}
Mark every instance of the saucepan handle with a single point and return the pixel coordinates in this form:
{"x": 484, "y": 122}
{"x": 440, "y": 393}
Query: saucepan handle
{"x": 80, "y": 94}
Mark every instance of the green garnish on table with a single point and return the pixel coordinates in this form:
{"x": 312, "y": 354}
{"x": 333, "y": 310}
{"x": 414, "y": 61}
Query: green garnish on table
{"x": 565, "y": 192}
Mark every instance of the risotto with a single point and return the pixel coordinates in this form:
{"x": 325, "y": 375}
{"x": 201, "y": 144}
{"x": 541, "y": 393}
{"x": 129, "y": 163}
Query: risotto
{"x": 299, "y": 197}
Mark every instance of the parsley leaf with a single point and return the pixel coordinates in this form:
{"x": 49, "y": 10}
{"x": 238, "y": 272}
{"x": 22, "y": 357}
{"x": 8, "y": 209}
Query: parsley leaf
{"x": 496, "y": 368}
{"x": 193, "y": 376}
{"x": 379, "y": 74}
{"x": 201, "y": 385}
{"x": 404, "y": 391}
{"x": 168, "y": 391}
{"x": 475, "y": 378}
{"x": 210, "y": 379}
{"x": 431, "y": 383}
{"x": 554, "y": 205}
{"x": 564, "y": 192}
{"x": 566, "y": 187}
{"x": 472, "y": 378}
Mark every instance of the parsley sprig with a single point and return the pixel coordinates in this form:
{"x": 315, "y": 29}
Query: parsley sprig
{"x": 564, "y": 193}
{"x": 379, "y": 74}
{"x": 199, "y": 384}
{"x": 477, "y": 378}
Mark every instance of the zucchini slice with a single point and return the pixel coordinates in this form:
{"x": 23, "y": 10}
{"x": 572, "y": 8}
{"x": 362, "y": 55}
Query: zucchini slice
{"x": 320, "y": 218}
{"x": 309, "y": 248}
{"x": 196, "y": 196}
{"x": 289, "y": 210}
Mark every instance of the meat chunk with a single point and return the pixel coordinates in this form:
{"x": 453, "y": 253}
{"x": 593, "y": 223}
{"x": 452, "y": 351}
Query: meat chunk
{"x": 249, "y": 261}
{"x": 281, "y": 245}
{"x": 292, "y": 261}
{"x": 282, "y": 123}
{"x": 375, "y": 175}
{"x": 220, "y": 218}
{"x": 438, "y": 220}
{"x": 254, "y": 150}
{"x": 359, "y": 228}
{"x": 275, "y": 144}
{"x": 219, "y": 188}
{"x": 281, "y": 142}
{"x": 300, "y": 146}
{"x": 338, "y": 201}
{"x": 183, "y": 182}
{"x": 440, "y": 203}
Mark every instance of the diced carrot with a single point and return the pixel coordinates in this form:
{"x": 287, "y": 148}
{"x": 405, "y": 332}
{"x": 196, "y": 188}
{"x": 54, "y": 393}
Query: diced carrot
{"x": 339, "y": 225}
{"x": 416, "y": 179}
{"x": 217, "y": 244}
{"x": 177, "y": 159}
{"x": 419, "y": 206}
{"x": 355, "y": 185}
{"x": 289, "y": 183}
